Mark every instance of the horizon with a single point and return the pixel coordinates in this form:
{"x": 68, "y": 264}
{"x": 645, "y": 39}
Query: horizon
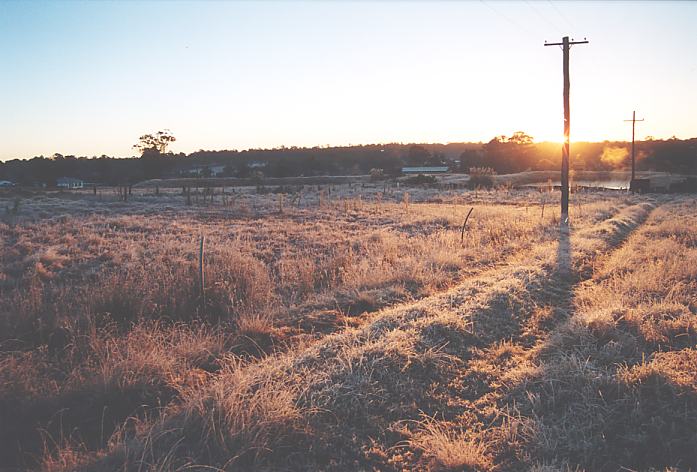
{"x": 87, "y": 79}
{"x": 340, "y": 146}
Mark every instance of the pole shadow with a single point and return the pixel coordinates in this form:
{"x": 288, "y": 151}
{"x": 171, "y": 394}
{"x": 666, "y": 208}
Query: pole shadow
{"x": 563, "y": 268}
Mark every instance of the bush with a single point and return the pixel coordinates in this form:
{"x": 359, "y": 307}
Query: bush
{"x": 377, "y": 174}
{"x": 481, "y": 177}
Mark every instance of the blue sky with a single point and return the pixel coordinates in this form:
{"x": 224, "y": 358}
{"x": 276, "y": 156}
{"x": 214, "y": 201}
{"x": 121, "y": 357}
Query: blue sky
{"x": 88, "y": 78}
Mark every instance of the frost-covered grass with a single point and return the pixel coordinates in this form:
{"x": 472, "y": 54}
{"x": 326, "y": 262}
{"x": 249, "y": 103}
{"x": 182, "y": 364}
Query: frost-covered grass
{"x": 362, "y": 330}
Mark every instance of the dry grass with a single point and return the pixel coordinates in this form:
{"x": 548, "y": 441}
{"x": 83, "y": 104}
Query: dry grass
{"x": 329, "y": 333}
{"x": 449, "y": 450}
{"x": 616, "y": 385}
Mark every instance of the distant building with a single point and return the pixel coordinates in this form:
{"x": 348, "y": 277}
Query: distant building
{"x": 69, "y": 183}
{"x": 212, "y": 170}
{"x": 425, "y": 170}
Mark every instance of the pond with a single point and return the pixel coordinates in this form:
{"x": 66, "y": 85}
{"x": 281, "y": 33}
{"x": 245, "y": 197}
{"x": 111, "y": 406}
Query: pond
{"x": 606, "y": 184}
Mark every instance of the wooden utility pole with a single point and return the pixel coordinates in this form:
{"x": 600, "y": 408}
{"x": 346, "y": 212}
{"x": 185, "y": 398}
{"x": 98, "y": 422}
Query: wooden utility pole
{"x": 633, "y": 120}
{"x": 566, "y": 46}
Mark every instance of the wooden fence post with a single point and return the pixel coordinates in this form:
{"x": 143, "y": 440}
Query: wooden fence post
{"x": 201, "y": 273}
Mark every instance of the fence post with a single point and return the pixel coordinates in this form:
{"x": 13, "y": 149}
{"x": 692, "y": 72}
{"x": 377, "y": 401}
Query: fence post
{"x": 201, "y": 272}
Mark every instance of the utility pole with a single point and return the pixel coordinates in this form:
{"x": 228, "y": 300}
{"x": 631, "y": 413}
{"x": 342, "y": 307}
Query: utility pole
{"x": 566, "y": 46}
{"x": 633, "y": 120}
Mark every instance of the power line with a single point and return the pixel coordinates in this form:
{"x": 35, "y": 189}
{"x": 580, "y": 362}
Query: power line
{"x": 562, "y": 16}
{"x": 511, "y": 21}
{"x": 543, "y": 17}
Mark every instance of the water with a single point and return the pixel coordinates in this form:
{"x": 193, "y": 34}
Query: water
{"x": 607, "y": 184}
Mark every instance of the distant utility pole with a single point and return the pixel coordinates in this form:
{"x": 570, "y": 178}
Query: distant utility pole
{"x": 566, "y": 46}
{"x": 633, "y": 120}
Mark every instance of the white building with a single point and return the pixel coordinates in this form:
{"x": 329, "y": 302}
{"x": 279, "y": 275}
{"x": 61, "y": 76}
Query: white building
{"x": 69, "y": 183}
{"x": 215, "y": 170}
{"x": 425, "y": 170}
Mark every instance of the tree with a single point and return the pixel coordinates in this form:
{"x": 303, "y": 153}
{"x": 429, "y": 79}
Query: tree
{"x": 436, "y": 159}
{"x": 152, "y": 148}
{"x": 155, "y": 143}
{"x": 508, "y": 155}
{"x": 417, "y": 155}
{"x": 520, "y": 137}
{"x": 471, "y": 158}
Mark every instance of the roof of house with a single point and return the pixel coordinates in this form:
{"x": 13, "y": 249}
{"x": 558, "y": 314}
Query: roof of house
{"x": 68, "y": 180}
{"x": 425, "y": 169}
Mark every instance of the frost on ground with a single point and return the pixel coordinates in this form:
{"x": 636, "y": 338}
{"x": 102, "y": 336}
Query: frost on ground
{"x": 362, "y": 334}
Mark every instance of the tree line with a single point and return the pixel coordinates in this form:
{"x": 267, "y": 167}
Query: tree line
{"x": 503, "y": 154}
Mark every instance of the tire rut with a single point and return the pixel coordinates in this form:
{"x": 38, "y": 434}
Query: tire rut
{"x": 503, "y": 360}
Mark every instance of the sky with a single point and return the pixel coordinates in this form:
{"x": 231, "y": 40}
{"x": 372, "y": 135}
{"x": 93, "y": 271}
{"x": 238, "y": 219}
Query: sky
{"x": 88, "y": 78}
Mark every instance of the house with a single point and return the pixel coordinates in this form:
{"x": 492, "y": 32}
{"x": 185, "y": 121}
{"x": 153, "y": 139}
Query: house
{"x": 213, "y": 170}
{"x": 216, "y": 170}
{"x": 69, "y": 183}
{"x": 425, "y": 170}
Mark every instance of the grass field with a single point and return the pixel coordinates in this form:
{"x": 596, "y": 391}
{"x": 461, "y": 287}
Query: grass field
{"x": 354, "y": 330}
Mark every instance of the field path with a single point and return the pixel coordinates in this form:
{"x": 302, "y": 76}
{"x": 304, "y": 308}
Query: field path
{"x": 500, "y": 365}
{"x": 477, "y": 337}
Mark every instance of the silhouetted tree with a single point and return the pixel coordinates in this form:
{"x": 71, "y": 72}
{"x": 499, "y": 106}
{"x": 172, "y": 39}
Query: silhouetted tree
{"x": 509, "y": 155}
{"x": 417, "y": 156}
{"x": 155, "y": 143}
{"x": 520, "y": 138}
{"x": 153, "y": 148}
{"x": 471, "y": 158}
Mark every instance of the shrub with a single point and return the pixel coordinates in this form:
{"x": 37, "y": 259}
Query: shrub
{"x": 377, "y": 174}
{"x": 481, "y": 177}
